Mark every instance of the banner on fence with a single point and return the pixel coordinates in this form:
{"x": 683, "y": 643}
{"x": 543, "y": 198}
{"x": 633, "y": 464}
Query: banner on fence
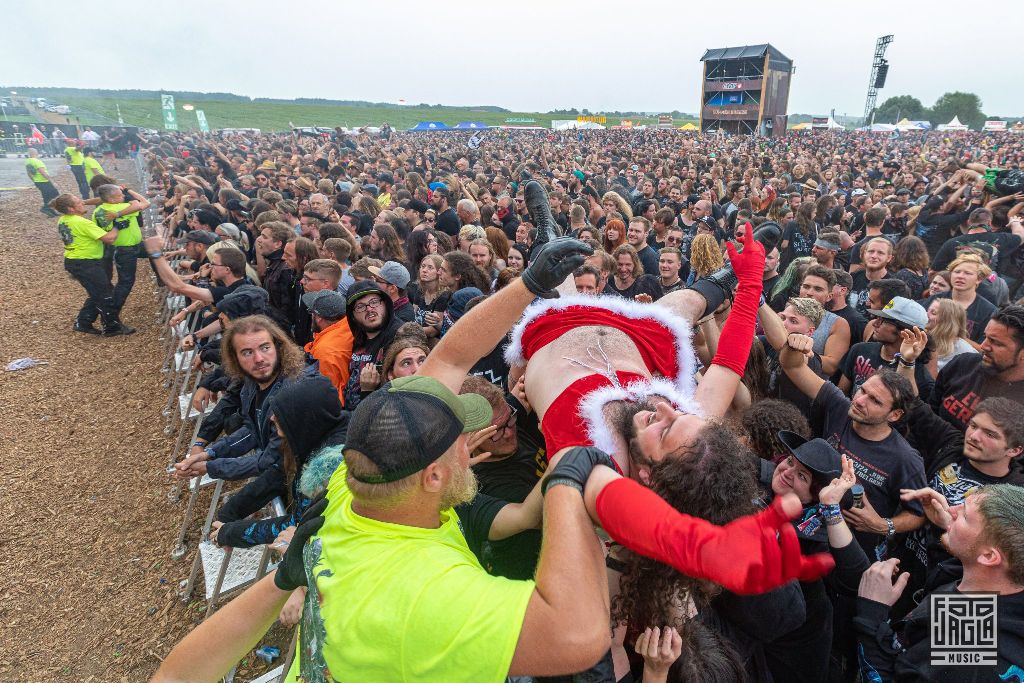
{"x": 170, "y": 119}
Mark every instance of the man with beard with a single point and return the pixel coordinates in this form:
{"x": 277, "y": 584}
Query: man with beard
{"x": 861, "y": 429}
{"x": 306, "y": 417}
{"x": 447, "y": 220}
{"x": 405, "y": 465}
{"x": 986, "y": 533}
{"x": 866, "y": 358}
{"x": 373, "y": 326}
{"x": 259, "y": 353}
{"x": 997, "y": 371}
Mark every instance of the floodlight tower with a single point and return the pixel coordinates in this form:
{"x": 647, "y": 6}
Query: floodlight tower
{"x": 879, "y": 70}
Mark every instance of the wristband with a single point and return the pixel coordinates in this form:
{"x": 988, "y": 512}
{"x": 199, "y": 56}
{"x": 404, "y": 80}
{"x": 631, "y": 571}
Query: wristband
{"x": 830, "y": 511}
{"x": 210, "y": 454}
{"x": 155, "y": 254}
{"x": 200, "y": 444}
{"x": 892, "y": 528}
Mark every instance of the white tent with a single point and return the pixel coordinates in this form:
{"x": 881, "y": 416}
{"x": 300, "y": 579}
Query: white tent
{"x": 953, "y": 125}
{"x": 571, "y": 124}
{"x": 879, "y": 128}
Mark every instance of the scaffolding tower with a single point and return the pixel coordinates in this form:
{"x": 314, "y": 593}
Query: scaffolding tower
{"x": 879, "y": 70}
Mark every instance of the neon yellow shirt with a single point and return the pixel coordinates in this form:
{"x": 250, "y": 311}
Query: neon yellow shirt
{"x": 74, "y": 155}
{"x": 131, "y": 233}
{"x": 92, "y": 167}
{"x": 384, "y": 201}
{"x": 81, "y": 237}
{"x": 34, "y": 166}
{"x": 403, "y": 603}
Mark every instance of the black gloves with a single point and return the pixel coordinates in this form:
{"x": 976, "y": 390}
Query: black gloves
{"x": 552, "y": 263}
{"x": 575, "y": 467}
{"x": 291, "y": 573}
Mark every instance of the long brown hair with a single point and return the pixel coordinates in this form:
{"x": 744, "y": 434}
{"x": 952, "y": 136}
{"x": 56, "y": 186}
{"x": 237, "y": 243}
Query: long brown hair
{"x": 290, "y": 359}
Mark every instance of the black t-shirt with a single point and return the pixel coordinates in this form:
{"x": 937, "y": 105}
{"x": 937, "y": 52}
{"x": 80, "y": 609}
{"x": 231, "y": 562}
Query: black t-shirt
{"x": 882, "y": 467}
{"x": 935, "y": 228}
{"x": 511, "y": 480}
{"x": 780, "y": 385}
{"x": 799, "y": 243}
{"x": 439, "y": 303}
{"x": 493, "y": 367}
{"x": 978, "y": 314}
{"x": 649, "y": 260}
{"x": 220, "y": 291}
{"x": 856, "y": 320}
{"x": 860, "y": 290}
{"x": 962, "y": 384}
{"x": 998, "y": 245}
{"x": 448, "y": 222}
{"x": 865, "y": 359}
{"x": 645, "y": 284}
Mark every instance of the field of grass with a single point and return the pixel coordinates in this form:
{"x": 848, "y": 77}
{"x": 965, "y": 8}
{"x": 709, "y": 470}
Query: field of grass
{"x": 274, "y": 116}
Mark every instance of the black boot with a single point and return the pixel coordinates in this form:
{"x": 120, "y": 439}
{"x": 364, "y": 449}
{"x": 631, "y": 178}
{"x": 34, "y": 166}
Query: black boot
{"x": 540, "y": 213}
{"x": 719, "y": 285}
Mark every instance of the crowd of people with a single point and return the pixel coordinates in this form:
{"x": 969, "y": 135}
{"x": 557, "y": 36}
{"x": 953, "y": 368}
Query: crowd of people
{"x": 784, "y": 376}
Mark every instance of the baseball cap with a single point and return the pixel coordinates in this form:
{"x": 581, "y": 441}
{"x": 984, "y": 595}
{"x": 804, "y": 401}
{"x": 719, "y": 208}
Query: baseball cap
{"x": 393, "y": 273}
{"x": 202, "y": 237}
{"x": 409, "y": 423}
{"x": 246, "y": 300}
{"x": 371, "y": 188}
{"x": 457, "y": 304}
{"x": 858, "y": 192}
{"x": 326, "y": 303}
{"x": 903, "y": 311}
{"x": 816, "y": 455}
{"x": 418, "y": 205}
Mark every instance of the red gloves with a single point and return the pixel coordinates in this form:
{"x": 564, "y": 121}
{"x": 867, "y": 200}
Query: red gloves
{"x": 738, "y": 331}
{"x": 750, "y": 555}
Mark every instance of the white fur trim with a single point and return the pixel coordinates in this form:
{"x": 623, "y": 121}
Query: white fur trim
{"x": 591, "y": 408}
{"x": 679, "y": 327}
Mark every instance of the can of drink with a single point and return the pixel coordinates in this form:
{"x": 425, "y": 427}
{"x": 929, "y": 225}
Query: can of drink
{"x": 858, "y": 495}
{"x": 268, "y": 654}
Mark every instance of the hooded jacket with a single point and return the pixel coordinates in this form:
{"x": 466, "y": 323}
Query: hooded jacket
{"x": 311, "y": 418}
{"x": 364, "y": 349}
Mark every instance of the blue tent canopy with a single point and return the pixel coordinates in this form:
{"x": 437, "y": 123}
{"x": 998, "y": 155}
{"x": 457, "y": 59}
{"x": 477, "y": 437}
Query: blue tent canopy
{"x": 430, "y": 125}
{"x": 471, "y": 125}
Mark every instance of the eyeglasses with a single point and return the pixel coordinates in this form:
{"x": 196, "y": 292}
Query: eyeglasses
{"x": 509, "y": 423}
{"x": 306, "y": 278}
{"x": 361, "y": 307}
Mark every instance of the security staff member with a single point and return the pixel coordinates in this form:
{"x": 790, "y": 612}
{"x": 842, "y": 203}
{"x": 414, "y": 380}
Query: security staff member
{"x": 83, "y": 259}
{"x": 92, "y": 167}
{"x": 77, "y": 162}
{"x": 124, "y": 253}
{"x": 36, "y": 170}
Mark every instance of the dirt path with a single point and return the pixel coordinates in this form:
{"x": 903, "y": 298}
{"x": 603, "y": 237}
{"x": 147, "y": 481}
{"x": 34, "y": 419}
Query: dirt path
{"x": 87, "y": 586}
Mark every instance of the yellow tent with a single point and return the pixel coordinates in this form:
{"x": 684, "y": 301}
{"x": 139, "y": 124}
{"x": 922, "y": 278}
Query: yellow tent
{"x": 802, "y": 126}
{"x": 688, "y": 126}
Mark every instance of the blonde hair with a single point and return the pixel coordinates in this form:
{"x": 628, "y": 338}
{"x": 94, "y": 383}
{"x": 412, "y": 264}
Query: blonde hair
{"x": 950, "y": 324}
{"x": 808, "y": 308}
{"x": 705, "y": 255}
{"x": 983, "y": 270}
{"x": 621, "y": 204}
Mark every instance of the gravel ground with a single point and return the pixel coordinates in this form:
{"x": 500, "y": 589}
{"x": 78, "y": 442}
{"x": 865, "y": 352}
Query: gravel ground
{"x": 87, "y": 585}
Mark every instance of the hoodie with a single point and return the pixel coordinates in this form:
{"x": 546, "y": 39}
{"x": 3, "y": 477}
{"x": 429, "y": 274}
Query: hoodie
{"x": 364, "y": 349}
{"x": 311, "y": 418}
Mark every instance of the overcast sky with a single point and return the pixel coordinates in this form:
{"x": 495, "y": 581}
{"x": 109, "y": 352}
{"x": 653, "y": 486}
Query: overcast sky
{"x": 531, "y": 55}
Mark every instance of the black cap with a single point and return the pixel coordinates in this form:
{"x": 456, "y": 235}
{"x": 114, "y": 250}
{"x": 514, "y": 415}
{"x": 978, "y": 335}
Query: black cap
{"x": 816, "y": 455}
{"x": 409, "y": 423}
{"x": 246, "y": 300}
{"x": 418, "y": 205}
{"x": 202, "y": 237}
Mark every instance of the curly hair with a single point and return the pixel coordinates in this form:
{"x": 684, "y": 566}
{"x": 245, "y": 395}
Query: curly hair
{"x": 705, "y": 255}
{"x": 762, "y": 422}
{"x": 466, "y": 272}
{"x": 714, "y": 479}
{"x": 290, "y": 358}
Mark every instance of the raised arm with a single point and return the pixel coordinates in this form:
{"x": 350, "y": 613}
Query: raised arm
{"x": 479, "y": 331}
{"x": 170, "y": 278}
{"x": 793, "y": 360}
